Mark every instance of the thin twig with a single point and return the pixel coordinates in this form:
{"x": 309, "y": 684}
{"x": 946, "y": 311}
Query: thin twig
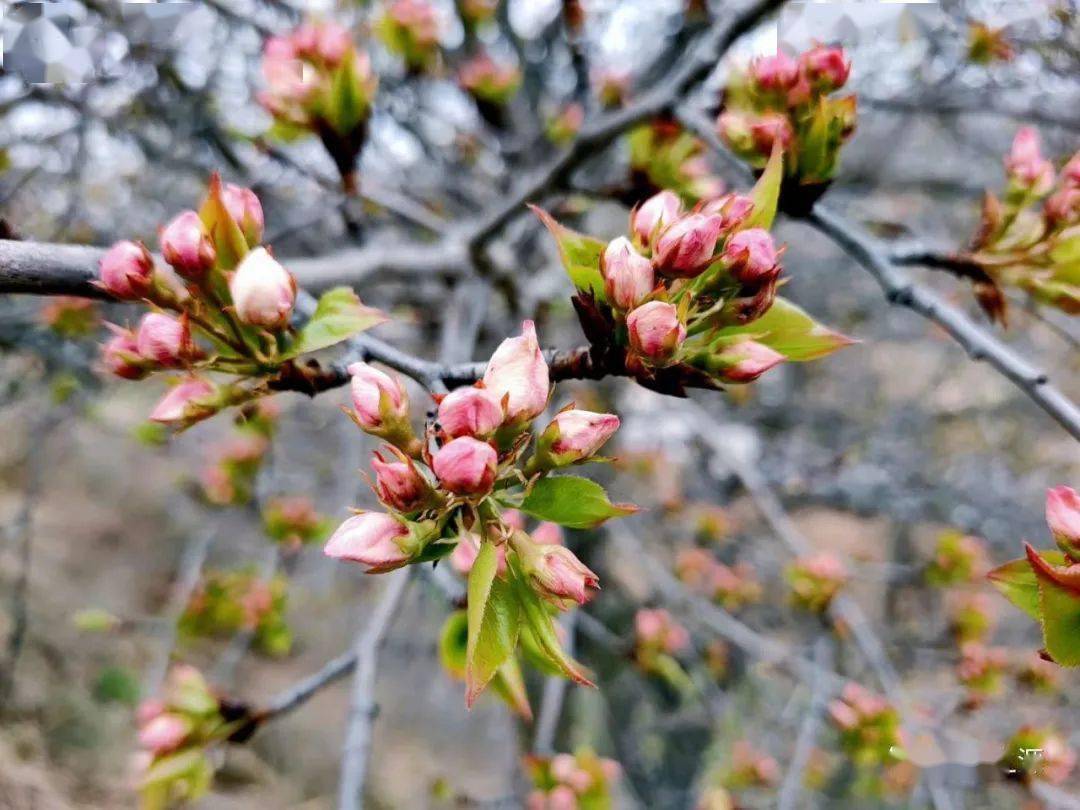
{"x": 354, "y": 759}
{"x": 808, "y": 730}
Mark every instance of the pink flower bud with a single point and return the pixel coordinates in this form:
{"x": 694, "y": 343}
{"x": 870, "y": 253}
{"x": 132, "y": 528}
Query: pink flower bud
{"x": 165, "y": 340}
{"x": 1063, "y": 207}
{"x": 628, "y": 276}
{"x": 1025, "y": 163}
{"x": 326, "y": 41}
{"x": 466, "y": 466}
{"x": 186, "y": 245}
{"x": 751, "y": 255}
{"x": 745, "y": 361}
{"x": 514, "y": 519}
{"x": 184, "y": 401}
{"x": 246, "y": 211}
{"x": 733, "y": 209}
{"x": 1070, "y": 175}
{"x": 770, "y": 128}
{"x": 655, "y": 214}
{"x": 126, "y": 270}
{"x": 120, "y": 355}
{"x": 149, "y": 709}
{"x": 575, "y": 435}
{"x": 562, "y": 767}
{"x": 164, "y": 733}
{"x": 263, "y": 291}
{"x": 371, "y": 539}
{"x": 685, "y": 247}
{"x": 372, "y": 392}
{"x": 470, "y": 412}
{"x": 776, "y": 72}
{"x": 547, "y": 533}
{"x": 1063, "y": 518}
{"x": 562, "y": 797}
{"x": 289, "y": 80}
{"x": 517, "y": 375}
{"x": 827, "y": 66}
{"x": 655, "y": 331}
{"x": 557, "y": 574}
{"x": 399, "y": 484}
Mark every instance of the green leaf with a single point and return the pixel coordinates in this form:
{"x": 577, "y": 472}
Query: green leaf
{"x": 229, "y": 240}
{"x": 787, "y": 329}
{"x": 580, "y": 255}
{"x": 494, "y": 622}
{"x": 509, "y": 684}
{"x": 1017, "y": 582}
{"x": 571, "y": 501}
{"x": 338, "y": 316}
{"x": 348, "y": 103}
{"x": 766, "y": 192}
{"x": 535, "y": 615}
{"x": 175, "y": 766}
{"x": 1060, "y": 608}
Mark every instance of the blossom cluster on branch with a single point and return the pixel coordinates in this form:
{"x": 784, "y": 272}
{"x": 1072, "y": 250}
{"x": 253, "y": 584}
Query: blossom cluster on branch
{"x": 478, "y": 458}
{"x": 579, "y": 781}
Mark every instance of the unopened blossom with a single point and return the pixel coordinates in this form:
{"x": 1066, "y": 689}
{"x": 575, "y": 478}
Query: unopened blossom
{"x": 120, "y": 355}
{"x": 655, "y": 331}
{"x": 655, "y": 214}
{"x": 557, "y": 573}
{"x": 164, "y": 733}
{"x": 517, "y": 375}
{"x": 324, "y": 41}
{"x": 376, "y": 396}
{"x": 745, "y": 361}
{"x": 263, "y": 291}
{"x": 288, "y": 80}
{"x": 547, "y": 533}
{"x": 628, "y": 276}
{"x": 148, "y": 709}
{"x": 466, "y": 466}
{"x": 183, "y": 401}
{"x": 1070, "y": 175}
{"x": 656, "y": 628}
{"x": 370, "y": 538}
{"x": 733, "y": 209}
{"x": 1026, "y": 164}
{"x": 489, "y": 80}
{"x": 771, "y": 128}
{"x": 470, "y": 412}
{"x": 575, "y": 435}
{"x": 685, "y": 248}
{"x": 186, "y": 245}
{"x": 246, "y": 211}
{"x": 1063, "y": 518}
{"x": 126, "y": 270}
{"x": 165, "y": 340}
{"x": 827, "y": 65}
{"x": 1063, "y": 207}
{"x": 751, "y": 254}
{"x": 775, "y": 73}
{"x": 399, "y": 484}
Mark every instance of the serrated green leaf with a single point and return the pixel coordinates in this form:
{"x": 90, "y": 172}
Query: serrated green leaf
{"x": 1060, "y": 608}
{"x": 572, "y": 501}
{"x": 509, "y": 684}
{"x": 1017, "y": 582}
{"x": 766, "y": 192}
{"x": 580, "y": 255}
{"x": 789, "y": 330}
{"x": 229, "y": 240}
{"x": 338, "y": 316}
{"x": 494, "y": 622}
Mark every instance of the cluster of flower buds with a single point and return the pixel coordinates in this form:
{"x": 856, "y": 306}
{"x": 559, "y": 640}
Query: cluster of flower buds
{"x": 571, "y": 781}
{"x": 172, "y": 766}
{"x": 981, "y": 670}
{"x": 732, "y": 587}
{"x": 410, "y": 29}
{"x": 958, "y": 558}
{"x": 688, "y": 298}
{"x": 658, "y": 638}
{"x": 1046, "y": 584}
{"x": 869, "y": 726}
{"x": 786, "y": 103}
{"x": 1037, "y": 752}
{"x": 986, "y": 44}
{"x": 292, "y": 521}
{"x": 70, "y": 317}
{"x": 489, "y": 82}
{"x": 663, "y": 155}
{"x": 1029, "y": 238}
{"x": 816, "y": 580}
{"x": 228, "y": 479}
{"x": 970, "y": 615}
{"x": 750, "y": 768}
{"x": 226, "y": 602}
{"x": 222, "y": 304}
{"x": 478, "y": 460}
{"x": 319, "y": 83}
{"x": 562, "y": 126}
